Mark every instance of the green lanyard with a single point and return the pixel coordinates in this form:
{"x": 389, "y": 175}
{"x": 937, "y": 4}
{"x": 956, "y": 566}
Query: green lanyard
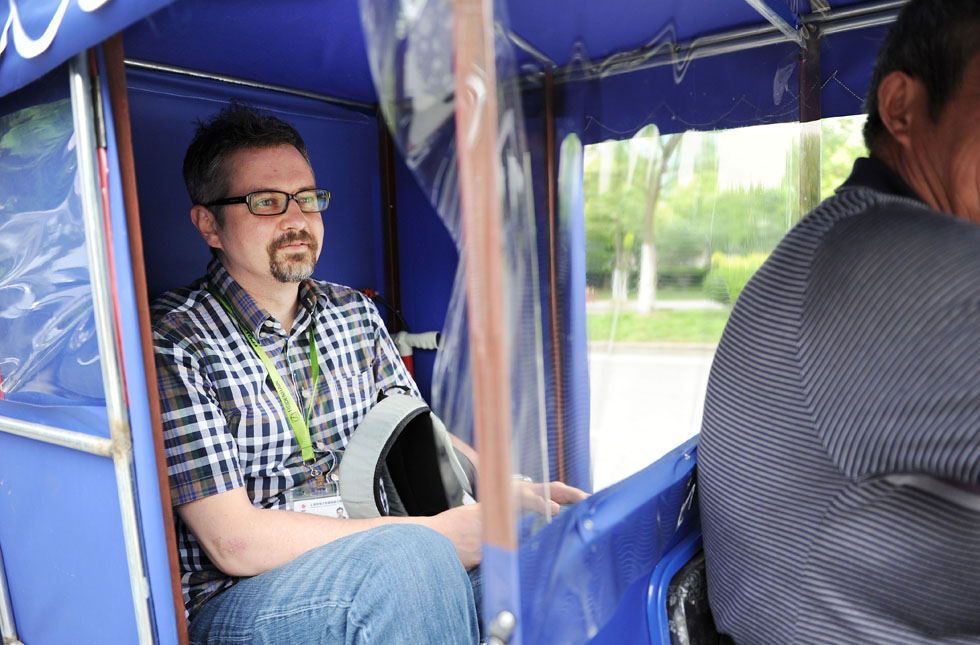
{"x": 300, "y": 426}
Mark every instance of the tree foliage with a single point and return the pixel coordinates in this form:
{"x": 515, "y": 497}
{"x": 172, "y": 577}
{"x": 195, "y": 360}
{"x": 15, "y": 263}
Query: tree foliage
{"x": 710, "y": 198}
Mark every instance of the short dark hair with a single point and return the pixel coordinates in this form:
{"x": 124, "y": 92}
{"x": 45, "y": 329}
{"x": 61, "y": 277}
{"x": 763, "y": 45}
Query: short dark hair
{"x": 235, "y": 127}
{"x": 932, "y": 41}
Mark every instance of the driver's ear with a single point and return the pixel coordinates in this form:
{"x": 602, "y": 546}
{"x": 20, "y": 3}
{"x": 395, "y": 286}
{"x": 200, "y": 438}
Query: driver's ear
{"x": 902, "y": 105}
{"x": 206, "y": 224}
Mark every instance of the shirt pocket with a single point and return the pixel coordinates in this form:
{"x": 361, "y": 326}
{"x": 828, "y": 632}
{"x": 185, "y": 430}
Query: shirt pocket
{"x": 342, "y": 401}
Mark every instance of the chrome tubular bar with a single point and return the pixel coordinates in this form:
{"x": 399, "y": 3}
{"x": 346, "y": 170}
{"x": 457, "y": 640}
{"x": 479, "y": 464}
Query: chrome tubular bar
{"x": 860, "y": 22}
{"x": 67, "y": 438}
{"x": 778, "y": 20}
{"x": 527, "y": 47}
{"x": 846, "y": 14}
{"x": 728, "y": 42}
{"x": 95, "y": 236}
{"x": 136, "y": 63}
{"x": 8, "y": 631}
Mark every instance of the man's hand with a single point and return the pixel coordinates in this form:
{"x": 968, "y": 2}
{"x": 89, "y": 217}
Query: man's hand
{"x": 531, "y": 496}
{"x": 463, "y": 526}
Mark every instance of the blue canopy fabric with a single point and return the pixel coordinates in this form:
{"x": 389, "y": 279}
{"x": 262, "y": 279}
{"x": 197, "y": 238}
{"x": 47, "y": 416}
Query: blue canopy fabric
{"x": 319, "y": 47}
{"x": 39, "y": 35}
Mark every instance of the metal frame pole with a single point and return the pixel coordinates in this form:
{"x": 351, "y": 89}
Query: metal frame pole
{"x": 810, "y": 127}
{"x": 95, "y": 237}
{"x": 135, "y": 63}
{"x": 476, "y": 134}
{"x": 779, "y": 16}
{"x": 8, "y": 629}
{"x": 554, "y": 324}
{"x": 479, "y": 181}
{"x": 58, "y": 436}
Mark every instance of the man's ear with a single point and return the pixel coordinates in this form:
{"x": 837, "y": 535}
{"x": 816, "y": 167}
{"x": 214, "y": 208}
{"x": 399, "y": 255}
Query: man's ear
{"x": 206, "y": 224}
{"x": 902, "y": 106}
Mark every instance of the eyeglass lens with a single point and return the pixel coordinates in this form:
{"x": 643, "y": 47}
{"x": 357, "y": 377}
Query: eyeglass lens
{"x": 274, "y": 202}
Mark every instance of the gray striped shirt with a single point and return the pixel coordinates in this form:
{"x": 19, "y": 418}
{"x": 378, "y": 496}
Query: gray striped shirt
{"x": 840, "y": 450}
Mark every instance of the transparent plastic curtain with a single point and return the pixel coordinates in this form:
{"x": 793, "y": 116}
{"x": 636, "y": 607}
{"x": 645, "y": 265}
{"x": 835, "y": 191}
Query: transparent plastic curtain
{"x": 410, "y": 47}
{"x": 676, "y": 225}
{"x": 49, "y": 353}
{"x": 411, "y": 52}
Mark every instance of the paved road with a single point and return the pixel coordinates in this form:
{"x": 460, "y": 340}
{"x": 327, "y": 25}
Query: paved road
{"x": 645, "y": 401}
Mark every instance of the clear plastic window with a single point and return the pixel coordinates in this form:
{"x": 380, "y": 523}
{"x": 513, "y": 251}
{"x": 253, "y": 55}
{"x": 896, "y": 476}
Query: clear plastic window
{"x": 49, "y": 352}
{"x": 675, "y": 226}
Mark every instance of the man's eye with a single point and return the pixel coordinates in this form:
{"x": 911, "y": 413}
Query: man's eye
{"x": 264, "y": 203}
{"x": 307, "y": 199}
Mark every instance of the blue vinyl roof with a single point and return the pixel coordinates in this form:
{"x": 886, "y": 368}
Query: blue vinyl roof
{"x": 319, "y": 46}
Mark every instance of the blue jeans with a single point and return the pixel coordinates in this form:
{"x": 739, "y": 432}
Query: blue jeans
{"x": 395, "y": 584}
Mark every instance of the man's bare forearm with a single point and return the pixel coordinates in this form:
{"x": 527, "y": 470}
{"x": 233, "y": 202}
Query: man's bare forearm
{"x": 242, "y": 540}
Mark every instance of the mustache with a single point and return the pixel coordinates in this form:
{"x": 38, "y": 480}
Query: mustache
{"x": 289, "y": 237}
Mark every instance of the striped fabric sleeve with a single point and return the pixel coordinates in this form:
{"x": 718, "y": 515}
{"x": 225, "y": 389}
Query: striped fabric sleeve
{"x": 202, "y": 458}
{"x": 894, "y": 370}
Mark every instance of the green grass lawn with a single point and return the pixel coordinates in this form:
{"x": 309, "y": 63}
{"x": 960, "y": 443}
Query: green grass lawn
{"x": 668, "y": 293}
{"x": 658, "y": 327}
{"x": 663, "y": 293}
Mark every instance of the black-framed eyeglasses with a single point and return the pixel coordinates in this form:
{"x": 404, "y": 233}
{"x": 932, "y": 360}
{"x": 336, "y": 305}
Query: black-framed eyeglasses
{"x": 275, "y": 202}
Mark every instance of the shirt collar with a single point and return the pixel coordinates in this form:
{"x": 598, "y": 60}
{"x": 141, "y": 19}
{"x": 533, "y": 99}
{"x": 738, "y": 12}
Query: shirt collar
{"x": 311, "y": 296}
{"x": 870, "y": 172}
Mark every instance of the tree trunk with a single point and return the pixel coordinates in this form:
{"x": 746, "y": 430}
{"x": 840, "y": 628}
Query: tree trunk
{"x": 620, "y": 275}
{"x": 647, "y": 295}
{"x": 647, "y": 290}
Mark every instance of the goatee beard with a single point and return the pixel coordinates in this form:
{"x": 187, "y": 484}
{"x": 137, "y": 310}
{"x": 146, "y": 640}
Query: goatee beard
{"x": 294, "y": 266}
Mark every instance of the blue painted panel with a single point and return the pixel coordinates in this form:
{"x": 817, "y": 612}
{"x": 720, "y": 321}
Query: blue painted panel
{"x": 62, "y": 541}
{"x": 343, "y": 147}
{"x": 576, "y": 571}
{"x": 49, "y": 352}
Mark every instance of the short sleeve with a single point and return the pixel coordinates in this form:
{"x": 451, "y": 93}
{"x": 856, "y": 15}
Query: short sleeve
{"x": 202, "y": 456}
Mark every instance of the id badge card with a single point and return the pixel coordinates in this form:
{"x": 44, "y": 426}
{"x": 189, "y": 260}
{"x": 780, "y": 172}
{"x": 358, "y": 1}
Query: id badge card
{"x": 317, "y": 497}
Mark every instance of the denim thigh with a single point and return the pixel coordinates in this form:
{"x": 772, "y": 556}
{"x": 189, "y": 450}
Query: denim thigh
{"x": 400, "y": 583}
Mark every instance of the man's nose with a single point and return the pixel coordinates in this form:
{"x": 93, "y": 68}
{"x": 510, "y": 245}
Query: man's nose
{"x": 293, "y": 217}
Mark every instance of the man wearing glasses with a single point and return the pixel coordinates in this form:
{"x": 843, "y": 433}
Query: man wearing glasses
{"x": 239, "y": 354}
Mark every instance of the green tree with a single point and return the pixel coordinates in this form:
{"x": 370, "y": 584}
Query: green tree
{"x": 637, "y": 197}
{"x": 614, "y": 204}
{"x": 841, "y": 143}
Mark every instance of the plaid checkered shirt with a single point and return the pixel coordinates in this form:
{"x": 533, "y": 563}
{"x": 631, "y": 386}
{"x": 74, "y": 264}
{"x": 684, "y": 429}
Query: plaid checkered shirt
{"x": 223, "y": 424}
